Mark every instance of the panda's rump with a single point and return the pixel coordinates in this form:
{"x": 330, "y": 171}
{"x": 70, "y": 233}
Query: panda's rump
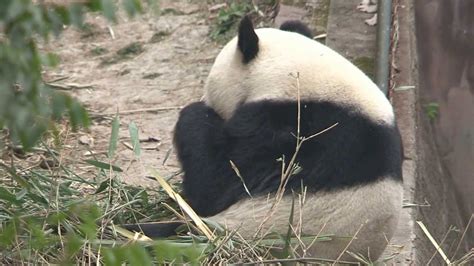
{"x": 364, "y": 216}
{"x": 351, "y": 173}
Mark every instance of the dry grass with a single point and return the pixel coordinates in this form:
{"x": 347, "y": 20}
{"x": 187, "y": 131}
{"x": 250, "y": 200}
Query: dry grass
{"x": 52, "y": 214}
{"x": 465, "y": 259}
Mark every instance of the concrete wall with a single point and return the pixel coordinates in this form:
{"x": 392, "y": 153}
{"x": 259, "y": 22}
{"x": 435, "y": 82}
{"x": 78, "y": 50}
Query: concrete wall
{"x": 438, "y": 191}
{"x": 445, "y": 31}
{"x": 445, "y": 37}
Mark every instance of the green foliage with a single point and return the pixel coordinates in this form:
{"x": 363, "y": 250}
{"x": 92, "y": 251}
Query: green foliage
{"x": 161, "y": 252}
{"x": 28, "y": 106}
{"x": 133, "y": 129}
{"x": 227, "y": 19}
{"x": 58, "y": 217}
{"x": 432, "y": 110}
{"x": 104, "y": 166}
{"x": 113, "y": 137}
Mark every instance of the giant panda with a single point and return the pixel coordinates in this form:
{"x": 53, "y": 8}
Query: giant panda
{"x": 234, "y": 144}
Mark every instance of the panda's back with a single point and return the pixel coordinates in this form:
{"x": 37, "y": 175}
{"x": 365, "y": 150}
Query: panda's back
{"x": 267, "y": 88}
{"x": 323, "y": 75}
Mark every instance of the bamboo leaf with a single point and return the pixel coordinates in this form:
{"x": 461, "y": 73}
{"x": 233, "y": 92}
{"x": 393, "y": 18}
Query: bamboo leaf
{"x": 113, "y": 137}
{"x": 103, "y": 165}
{"x": 133, "y": 129}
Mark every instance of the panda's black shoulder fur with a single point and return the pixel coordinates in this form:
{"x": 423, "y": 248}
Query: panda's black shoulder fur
{"x": 355, "y": 151}
{"x": 296, "y": 26}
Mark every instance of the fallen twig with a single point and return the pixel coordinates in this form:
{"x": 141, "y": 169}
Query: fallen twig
{"x": 111, "y": 32}
{"x": 143, "y": 110}
{"x": 126, "y": 144}
{"x": 303, "y": 260}
{"x": 69, "y": 86}
{"x": 433, "y": 241}
{"x": 463, "y": 235}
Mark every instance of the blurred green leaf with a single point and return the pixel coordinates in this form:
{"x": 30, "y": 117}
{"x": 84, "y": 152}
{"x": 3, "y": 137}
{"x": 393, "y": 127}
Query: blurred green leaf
{"x": 166, "y": 251}
{"x": 113, "y": 137}
{"x": 47, "y": 217}
{"x": 103, "y": 186}
{"x": 4, "y": 7}
{"x": 133, "y": 129}
{"x": 108, "y": 7}
{"x": 73, "y": 246}
{"x": 8, "y": 232}
{"x": 8, "y": 196}
{"x": 50, "y": 59}
{"x": 63, "y": 13}
{"x": 132, "y": 6}
{"x": 37, "y": 234}
{"x": 75, "y": 13}
{"x": 112, "y": 256}
{"x": 227, "y": 19}
{"x": 94, "y": 5}
{"x": 432, "y": 110}
{"x": 103, "y": 165}
{"x": 137, "y": 255}
{"x": 38, "y": 198}
{"x": 89, "y": 214}
{"x": 28, "y": 107}
{"x": 77, "y": 114}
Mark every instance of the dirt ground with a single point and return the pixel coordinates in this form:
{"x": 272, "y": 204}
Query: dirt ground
{"x": 134, "y": 67}
{"x": 146, "y": 69}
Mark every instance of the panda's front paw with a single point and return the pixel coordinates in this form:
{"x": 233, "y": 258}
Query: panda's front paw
{"x": 194, "y": 108}
{"x": 197, "y": 118}
{"x": 196, "y": 111}
{"x": 194, "y": 115}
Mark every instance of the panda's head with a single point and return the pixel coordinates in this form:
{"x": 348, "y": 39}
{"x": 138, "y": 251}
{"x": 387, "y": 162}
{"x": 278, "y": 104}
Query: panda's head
{"x": 263, "y": 64}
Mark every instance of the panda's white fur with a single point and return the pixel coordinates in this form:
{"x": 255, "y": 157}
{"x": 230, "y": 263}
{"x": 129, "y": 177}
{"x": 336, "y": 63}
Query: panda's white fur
{"x": 368, "y": 213}
{"x": 323, "y": 74}
{"x": 371, "y": 211}
{"x": 352, "y": 173}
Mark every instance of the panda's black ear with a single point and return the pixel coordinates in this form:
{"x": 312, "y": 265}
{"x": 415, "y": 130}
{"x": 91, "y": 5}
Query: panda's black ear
{"x": 296, "y": 26}
{"x": 248, "y": 40}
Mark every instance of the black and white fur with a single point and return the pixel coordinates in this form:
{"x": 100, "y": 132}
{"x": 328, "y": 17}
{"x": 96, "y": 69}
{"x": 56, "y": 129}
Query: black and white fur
{"x": 352, "y": 172}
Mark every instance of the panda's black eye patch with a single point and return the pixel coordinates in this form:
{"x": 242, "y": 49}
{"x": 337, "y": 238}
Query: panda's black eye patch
{"x": 296, "y": 26}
